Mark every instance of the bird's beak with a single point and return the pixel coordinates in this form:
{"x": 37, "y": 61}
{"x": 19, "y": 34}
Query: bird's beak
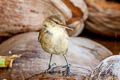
{"x": 68, "y": 28}
{"x": 64, "y": 26}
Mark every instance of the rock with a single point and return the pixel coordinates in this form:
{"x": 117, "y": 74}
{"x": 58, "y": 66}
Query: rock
{"x": 108, "y": 69}
{"x": 83, "y": 55}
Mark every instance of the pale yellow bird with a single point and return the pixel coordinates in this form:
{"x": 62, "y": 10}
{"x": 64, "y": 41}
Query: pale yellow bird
{"x": 54, "y": 39}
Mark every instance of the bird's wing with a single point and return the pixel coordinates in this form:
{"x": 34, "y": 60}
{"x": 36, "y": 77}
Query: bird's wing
{"x": 41, "y": 32}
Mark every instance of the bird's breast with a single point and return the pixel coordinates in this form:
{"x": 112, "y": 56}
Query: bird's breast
{"x": 55, "y": 41}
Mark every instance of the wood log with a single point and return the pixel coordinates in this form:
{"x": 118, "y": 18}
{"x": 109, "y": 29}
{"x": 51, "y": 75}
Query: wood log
{"x": 108, "y": 69}
{"x": 83, "y": 55}
{"x": 18, "y": 16}
{"x": 104, "y": 17}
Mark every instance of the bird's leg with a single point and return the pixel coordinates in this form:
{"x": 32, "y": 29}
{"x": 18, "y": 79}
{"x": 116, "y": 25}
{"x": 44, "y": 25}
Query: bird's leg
{"x": 50, "y": 67}
{"x": 68, "y": 67}
{"x": 50, "y": 62}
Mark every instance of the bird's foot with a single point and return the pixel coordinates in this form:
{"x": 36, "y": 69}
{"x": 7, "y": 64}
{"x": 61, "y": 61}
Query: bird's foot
{"x": 67, "y": 69}
{"x": 50, "y": 68}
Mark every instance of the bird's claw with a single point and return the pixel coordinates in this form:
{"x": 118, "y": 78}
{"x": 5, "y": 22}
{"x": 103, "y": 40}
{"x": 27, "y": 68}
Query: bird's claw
{"x": 50, "y": 68}
{"x": 67, "y": 66}
{"x": 67, "y": 69}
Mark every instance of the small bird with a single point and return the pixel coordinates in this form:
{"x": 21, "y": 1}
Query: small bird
{"x": 54, "y": 39}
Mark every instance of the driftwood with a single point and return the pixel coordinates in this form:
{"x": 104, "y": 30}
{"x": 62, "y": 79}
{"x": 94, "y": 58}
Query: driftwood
{"x": 18, "y": 16}
{"x": 83, "y": 55}
{"x": 108, "y": 69}
{"x": 104, "y": 17}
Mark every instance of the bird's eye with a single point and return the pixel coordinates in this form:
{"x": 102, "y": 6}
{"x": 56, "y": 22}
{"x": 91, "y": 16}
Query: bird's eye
{"x": 57, "y": 21}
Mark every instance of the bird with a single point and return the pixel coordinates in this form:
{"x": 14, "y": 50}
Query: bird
{"x": 54, "y": 39}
